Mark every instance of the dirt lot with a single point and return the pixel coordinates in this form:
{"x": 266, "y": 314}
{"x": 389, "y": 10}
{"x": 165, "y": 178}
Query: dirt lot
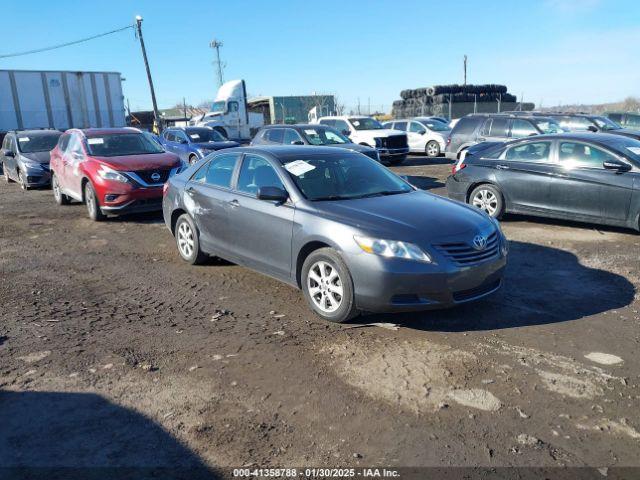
{"x": 115, "y": 353}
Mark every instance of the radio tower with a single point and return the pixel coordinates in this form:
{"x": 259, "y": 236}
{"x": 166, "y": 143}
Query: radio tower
{"x": 215, "y": 44}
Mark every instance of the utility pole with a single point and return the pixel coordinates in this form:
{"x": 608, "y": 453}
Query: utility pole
{"x": 465, "y": 70}
{"x": 215, "y": 44}
{"x": 184, "y": 108}
{"x": 156, "y": 114}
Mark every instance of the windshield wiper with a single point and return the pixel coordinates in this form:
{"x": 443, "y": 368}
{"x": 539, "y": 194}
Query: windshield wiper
{"x": 331, "y": 197}
{"x": 383, "y": 193}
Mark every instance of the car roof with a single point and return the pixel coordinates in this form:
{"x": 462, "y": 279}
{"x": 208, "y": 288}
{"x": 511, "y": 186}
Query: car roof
{"x": 90, "y": 132}
{"x": 286, "y": 152}
{"x": 34, "y": 132}
{"x": 296, "y": 125}
{"x": 584, "y": 136}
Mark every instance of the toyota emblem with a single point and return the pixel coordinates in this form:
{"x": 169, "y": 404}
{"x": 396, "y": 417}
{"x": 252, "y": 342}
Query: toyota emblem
{"x": 155, "y": 176}
{"x": 479, "y": 242}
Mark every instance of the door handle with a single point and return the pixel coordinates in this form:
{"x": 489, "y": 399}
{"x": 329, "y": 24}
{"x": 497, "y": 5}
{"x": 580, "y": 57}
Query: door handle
{"x": 190, "y": 190}
{"x": 502, "y": 167}
{"x": 234, "y": 203}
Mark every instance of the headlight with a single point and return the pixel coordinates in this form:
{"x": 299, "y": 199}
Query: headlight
{"x": 392, "y": 249}
{"x": 110, "y": 174}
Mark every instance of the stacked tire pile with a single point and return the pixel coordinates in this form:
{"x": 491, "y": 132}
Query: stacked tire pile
{"x": 464, "y": 99}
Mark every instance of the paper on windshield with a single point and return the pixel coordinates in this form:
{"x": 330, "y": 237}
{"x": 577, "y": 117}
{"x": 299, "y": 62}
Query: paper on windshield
{"x": 310, "y": 132}
{"x": 356, "y": 123}
{"x": 194, "y": 136}
{"x": 299, "y": 167}
{"x": 635, "y": 150}
{"x": 95, "y": 141}
{"x": 23, "y": 139}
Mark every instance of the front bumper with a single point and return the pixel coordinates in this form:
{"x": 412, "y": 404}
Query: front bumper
{"x": 394, "y": 285}
{"x": 392, "y": 152}
{"x": 37, "y": 176}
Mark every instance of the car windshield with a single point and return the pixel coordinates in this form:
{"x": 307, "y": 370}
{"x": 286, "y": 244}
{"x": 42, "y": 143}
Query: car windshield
{"x": 204, "y": 135}
{"x": 606, "y": 124}
{"x": 218, "y": 107}
{"x": 343, "y": 176}
{"x": 365, "y": 124}
{"x": 324, "y": 136}
{"x": 435, "y": 125}
{"x": 117, "y": 144}
{"x": 549, "y": 126}
{"x": 37, "y": 143}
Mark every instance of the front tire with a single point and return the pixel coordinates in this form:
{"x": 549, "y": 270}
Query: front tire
{"x": 328, "y": 287}
{"x": 489, "y": 199}
{"x": 61, "y": 198}
{"x": 93, "y": 205}
{"x": 22, "y": 181}
{"x": 188, "y": 241}
{"x": 432, "y": 149}
{"x": 192, "y": 159}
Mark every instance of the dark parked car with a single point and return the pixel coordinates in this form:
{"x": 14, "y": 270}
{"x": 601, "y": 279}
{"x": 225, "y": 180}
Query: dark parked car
{"x": 311, "y": 134}
{"x": 194, "y": 143}
{"x": 337, "y": 224}
{"x": 25, "y": 156}
{"x": 492, "y": 127}
{"x": 584, "y": 122}
{"x": 590, "y": 177}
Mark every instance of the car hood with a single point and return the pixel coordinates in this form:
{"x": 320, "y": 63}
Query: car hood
{"x": 416, "y": 216}
{"x": 40, "y": 157}
{"x": 141, "y": 162}
{"x": 385, "y": 132}
{"x": 627, "y": 132}
{"x": 216, "y": 145}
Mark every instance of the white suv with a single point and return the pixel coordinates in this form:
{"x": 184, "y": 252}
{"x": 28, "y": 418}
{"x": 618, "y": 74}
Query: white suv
{"x": 426, "y": 135}
{"x": 392, "y": 145}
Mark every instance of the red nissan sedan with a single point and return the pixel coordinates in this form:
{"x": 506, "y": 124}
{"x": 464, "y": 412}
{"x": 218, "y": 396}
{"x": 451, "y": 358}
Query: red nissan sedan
{"x": 112, "y": 170}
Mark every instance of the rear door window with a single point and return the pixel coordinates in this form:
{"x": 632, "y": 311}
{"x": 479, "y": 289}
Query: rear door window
{"x": 466, "y": 126}
{"x": 522, "y": 128}
{"x": 529, "y": 152}
{"x": 499, "y": 127}
{"x": 401, "y": 126}
{"x": 219, "y": 171}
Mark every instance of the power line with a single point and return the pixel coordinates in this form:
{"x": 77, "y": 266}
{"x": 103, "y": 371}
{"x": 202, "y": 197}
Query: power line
{"x": 46, "y": 49}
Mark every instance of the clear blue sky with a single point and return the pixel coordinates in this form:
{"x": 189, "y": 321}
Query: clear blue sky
{"x": 552, "y": 50}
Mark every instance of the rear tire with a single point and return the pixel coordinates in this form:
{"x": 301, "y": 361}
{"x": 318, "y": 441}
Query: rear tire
{"x": 188, "y": 240}
{"x": 61, "y": 198}
{"x": 327, "y": 286}
{"x": 489, "y": 199}
{"x": 92, "y": 203}
{"x": 432, "y": 149}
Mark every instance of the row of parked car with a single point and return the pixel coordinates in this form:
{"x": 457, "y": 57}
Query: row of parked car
{"x": 309, "y": 206}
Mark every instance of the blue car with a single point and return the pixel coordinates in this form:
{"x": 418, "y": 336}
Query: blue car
{"x": 194, "y": 143}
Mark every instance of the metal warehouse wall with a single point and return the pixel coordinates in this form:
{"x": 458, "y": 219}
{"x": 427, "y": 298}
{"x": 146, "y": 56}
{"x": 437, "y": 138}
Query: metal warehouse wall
{"x": 295, "y": 109}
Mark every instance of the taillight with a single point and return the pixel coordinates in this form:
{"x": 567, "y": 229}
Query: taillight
{"x": 165, "y": 187}
{"x": 457, "y": 167}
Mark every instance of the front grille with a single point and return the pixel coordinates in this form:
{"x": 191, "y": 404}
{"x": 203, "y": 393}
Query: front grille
{"x": 395, "y": 141}
{"x": 146, "y": 175}
{"x": 464, "y": 254}
{"x": 463, "y": 295}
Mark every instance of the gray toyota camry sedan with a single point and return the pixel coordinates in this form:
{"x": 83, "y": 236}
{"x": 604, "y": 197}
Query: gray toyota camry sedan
{"x": 353, "y": 236}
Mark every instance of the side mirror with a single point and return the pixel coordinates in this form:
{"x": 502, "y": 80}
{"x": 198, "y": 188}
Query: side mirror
{"x": 346, "y": 132}
{"x": 591, "y": 128}
{"x": 297, "y": 142}
{"x": 615, "y": 165}
{"x": 273, "y": 194}
{"x": 9, "y": 153}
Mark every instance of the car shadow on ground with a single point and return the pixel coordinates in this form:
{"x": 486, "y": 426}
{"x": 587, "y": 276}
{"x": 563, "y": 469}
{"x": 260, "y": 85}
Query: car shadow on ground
{"x": 146, "y": 218}
{"x": 512, "y": 218}
{"x": 423, "y": 183}
{"x": 416, "y": 160}
{"x": 542, "y": 285}
{"x": 59, "y": 435}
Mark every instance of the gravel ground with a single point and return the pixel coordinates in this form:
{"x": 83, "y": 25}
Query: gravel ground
{"x": 115, "y": 353}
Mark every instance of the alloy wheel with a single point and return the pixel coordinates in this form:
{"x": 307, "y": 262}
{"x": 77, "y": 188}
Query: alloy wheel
{"x": 21, "y": 180}
{"x": 433, "y": 149}
{"x": 90, "y": 200}
{"x": 325, "y": 286}
{"x": 186, "y": 242}
{"x": 485, "y": 200}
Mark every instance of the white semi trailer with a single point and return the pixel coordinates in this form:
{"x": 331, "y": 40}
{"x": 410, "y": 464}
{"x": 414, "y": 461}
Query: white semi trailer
{"x": 61, "y": 100}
